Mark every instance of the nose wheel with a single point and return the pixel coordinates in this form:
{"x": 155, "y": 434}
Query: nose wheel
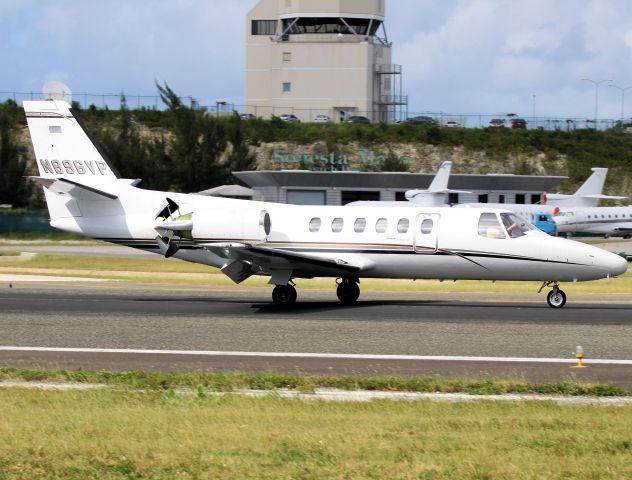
{"x": 556, "y": 298}
{"x": 284, "y": 295}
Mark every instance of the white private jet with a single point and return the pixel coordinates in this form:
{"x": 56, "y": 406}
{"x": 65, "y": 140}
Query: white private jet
{"x": 588, "y": 195}
{"x": 244, "y": 238}
{"x": 606, "y": 221}
{"x": 434, "y": 196}
{"x": 437, "y": 192}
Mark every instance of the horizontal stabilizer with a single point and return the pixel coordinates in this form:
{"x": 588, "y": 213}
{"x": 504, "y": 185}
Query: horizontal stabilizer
{"x": 604, "y": 197}
{"x": 74, "y": 188}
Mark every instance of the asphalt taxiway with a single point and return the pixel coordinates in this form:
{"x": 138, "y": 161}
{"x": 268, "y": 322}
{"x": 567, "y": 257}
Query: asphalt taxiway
{"x": 121, "y": 326}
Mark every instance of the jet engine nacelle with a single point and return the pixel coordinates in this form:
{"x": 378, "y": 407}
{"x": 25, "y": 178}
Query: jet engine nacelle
{"x": 234, "y": 224}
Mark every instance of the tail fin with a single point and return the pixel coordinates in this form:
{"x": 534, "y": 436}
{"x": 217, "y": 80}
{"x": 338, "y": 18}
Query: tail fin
{"x": 440, "y": 181}
{"x": 63, "y": 146}
{"x": 588, "y": 195}
{"x": 594, "y": 184}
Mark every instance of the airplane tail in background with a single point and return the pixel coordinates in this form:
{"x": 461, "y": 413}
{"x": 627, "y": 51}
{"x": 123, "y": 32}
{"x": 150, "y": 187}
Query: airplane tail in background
{"x": 441, "y": 179}
{"x": 588, "y": 195}
{"x": 437, "y": 192}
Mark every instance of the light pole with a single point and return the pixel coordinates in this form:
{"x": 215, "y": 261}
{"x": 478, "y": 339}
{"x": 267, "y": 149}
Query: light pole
{"x": 622, "y": 90}
{"x": 534, "y": 122}
{"x": 596, "y": 84}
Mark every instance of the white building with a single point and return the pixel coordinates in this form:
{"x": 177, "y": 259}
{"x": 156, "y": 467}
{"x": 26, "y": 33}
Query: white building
{"x": 321, "y": 57}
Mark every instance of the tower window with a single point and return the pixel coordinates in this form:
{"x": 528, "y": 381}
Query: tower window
{"x": 263, "y": 27}
{"x": 287, "y": 56}
{"x": 287, "y": 87}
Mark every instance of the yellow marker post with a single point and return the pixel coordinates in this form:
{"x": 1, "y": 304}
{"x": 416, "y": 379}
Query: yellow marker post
{"x": 579, "y": 353}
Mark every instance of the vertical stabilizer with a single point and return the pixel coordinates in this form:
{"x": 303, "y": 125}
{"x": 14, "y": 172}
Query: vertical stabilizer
{"x": 63, "y": 146}
{"x": 441, "y": 179}
{"x": 594, "y": 184}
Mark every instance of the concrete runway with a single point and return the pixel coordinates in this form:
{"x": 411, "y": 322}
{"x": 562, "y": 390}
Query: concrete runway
{"x": 159, "y": 317}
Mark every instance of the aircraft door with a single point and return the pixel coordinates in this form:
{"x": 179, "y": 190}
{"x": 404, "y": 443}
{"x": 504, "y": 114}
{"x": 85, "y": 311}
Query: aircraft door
{"x": 426, "y": 237}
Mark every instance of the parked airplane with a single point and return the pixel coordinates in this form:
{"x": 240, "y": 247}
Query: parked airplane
{"x": 434, "y": 196}
{"x": 588, "y": 195}
{"x": 437, "y": 192}
{"x": 606, "y": 221}
{"x": 85, "y": 195}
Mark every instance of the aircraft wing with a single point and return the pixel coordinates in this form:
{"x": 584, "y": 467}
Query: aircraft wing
{"x": 244, "y": 260}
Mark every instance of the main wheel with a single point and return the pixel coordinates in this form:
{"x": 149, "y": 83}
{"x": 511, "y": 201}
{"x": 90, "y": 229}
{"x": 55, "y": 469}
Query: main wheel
{"x": 348, "y": 292}
{"x": 556, "y": 298}
{"x": 284, "y": 295}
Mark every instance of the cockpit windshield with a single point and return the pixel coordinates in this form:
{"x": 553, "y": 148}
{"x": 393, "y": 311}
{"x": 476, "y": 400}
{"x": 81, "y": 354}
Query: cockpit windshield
{"x": 515, "y": 226}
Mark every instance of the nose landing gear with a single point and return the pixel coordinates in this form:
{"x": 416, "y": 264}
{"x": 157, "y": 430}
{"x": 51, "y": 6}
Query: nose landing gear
{"x": 556, "y": 298}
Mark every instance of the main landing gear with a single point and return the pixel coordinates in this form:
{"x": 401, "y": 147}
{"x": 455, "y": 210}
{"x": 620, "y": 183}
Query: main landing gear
{"x": 556, "y": 298}
{"x": 348, "y": 292}
{"x": 284, "y": 295}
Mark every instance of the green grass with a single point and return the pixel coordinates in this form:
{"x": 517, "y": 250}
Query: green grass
{"x": 9, "y": 254}
{"x": 161, "y": 435}
{"x": 185, "y": 273}
{"x": 227, "y": 382}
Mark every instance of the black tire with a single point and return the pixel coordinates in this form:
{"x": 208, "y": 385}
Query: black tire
{"x": 348, "y": 292}
{"x": 284, "y": 295}
{"x": 556, "y": 299}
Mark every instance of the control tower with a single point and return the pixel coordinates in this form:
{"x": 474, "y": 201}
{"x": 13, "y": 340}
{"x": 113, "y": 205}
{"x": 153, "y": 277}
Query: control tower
{"x": 321, "y": 57}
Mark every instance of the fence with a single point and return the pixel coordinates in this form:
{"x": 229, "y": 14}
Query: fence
{"x": 114, "y": 101}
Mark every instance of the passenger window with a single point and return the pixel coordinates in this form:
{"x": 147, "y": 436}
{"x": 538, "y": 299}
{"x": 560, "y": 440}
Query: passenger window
{"x": 402, "y": 225}
{"x": 489, "y": 226}
{"x": 359, "y": 225}
{"x": 380, "y": 225}
{"x": 426, "y": 226}
{"x": 314, "y": 225}
{"x": 336, "y": 225}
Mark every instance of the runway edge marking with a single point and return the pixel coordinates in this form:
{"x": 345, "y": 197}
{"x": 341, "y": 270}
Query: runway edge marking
{"x": 340, "y": 356}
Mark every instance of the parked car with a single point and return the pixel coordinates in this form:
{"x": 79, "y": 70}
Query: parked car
{"x": 358, "y": 119}
{"x": 247, "y": 116}
{"x": 452, "y": 124}
{"x": 518, "y": 123}
{"x": 422, "y": 120}
{"x": 290, "y": 117}
{"x": 496, "y": 123}
{"x": 322, "y": 119}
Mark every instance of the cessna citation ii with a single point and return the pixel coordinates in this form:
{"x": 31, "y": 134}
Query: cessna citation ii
{"x": 85, "y": 195}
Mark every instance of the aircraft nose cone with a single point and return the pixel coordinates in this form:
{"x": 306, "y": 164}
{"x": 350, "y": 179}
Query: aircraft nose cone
{"x": 619, "y": 265}
{"x": 614, "y": 264}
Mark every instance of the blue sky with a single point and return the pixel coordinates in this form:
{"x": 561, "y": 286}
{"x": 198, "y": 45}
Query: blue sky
{"x": 459, "y": 56}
